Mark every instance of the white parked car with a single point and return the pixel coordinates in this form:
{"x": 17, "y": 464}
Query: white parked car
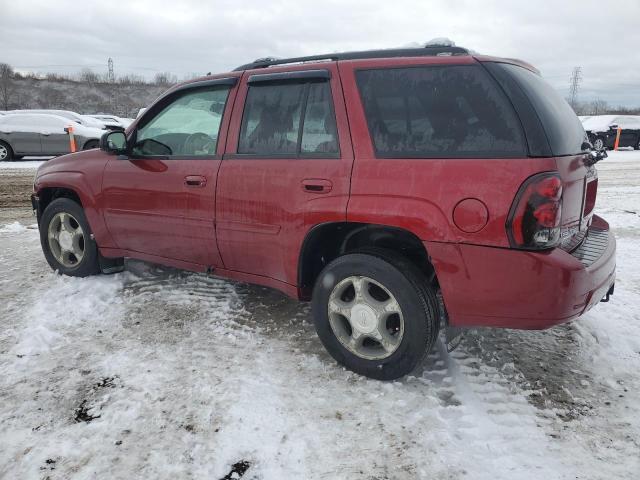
{"x": 81, "y": 119}
{"x": 42, "y": 134}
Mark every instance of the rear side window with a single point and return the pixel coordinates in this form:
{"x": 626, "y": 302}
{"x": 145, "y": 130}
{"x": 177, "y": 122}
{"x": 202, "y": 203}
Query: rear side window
{"x": 439, "y": 112}
{"x": 287, "y": 118}
{"x": 562, "y": 126}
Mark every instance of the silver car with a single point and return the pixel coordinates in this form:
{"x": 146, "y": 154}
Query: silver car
{"x": 42, "y": 134}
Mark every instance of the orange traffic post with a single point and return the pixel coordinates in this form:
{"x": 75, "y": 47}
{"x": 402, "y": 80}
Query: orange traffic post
{"x": 615, "y": 146}
{"x": 72, "y": 138}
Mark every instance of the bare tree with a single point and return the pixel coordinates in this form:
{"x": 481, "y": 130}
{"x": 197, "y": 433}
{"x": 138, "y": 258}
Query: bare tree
{"x": 89, "y": 77}
{"x": 6, "y": 85}
{"x": 599, "y": 107}
{"x": 165, "y": 78}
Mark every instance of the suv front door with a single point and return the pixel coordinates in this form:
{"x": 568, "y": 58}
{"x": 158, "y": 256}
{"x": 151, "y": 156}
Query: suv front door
{"x": 286, "y": 169}
{"x": 160, "y": 199}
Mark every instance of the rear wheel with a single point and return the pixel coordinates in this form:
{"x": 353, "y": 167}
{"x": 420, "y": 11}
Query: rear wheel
{"x": 6, "y": 153}
{"x": 598, "y": 143}
{"x": 66, "y": 240}
{"x": 375, "y": 313}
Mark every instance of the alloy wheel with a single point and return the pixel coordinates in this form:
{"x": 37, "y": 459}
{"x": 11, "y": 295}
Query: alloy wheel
{"x": 66, "y": 239}
{"x": 4, "y": 153}
{"x": 366, "y": 318}
{"x": 598, "y": 144}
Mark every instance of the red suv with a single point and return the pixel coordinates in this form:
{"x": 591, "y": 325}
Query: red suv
{"x": 401, "y": 191}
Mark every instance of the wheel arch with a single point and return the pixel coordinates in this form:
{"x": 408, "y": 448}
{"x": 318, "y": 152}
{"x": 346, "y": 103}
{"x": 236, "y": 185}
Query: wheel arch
{"x": 73, "y": 185}
{"x": 326, "y": 242}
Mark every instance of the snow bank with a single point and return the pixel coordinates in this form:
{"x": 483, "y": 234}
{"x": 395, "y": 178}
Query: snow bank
{"x": 15, "y": 227}
{"x": 29, "y": 164}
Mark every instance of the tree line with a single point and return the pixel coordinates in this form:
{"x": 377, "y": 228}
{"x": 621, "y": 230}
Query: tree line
{"x": 92, "y": 92}
{"x": 86, "y": 92}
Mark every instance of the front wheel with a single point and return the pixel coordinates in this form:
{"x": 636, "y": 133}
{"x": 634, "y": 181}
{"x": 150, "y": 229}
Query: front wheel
{"x": 66, "y": 240}
{"x": 375, "y": 313}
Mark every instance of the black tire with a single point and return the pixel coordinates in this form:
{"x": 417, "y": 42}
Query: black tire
{"x": 6, "y": 153}
{"x": 600, "y": 139}
{"x": 410, "y": 288}
{"x": 88, "y": 265}
{"x": 90, "y": 144}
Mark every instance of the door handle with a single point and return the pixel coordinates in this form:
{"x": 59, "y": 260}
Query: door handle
{"x": 195, "y": 181}
{"x": 316, "y": 185}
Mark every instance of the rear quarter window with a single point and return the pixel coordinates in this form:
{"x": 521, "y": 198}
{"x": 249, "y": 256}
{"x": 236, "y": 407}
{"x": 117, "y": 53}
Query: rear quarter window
{"x": 439, "y": 112}
{"x": 563, "y": 128}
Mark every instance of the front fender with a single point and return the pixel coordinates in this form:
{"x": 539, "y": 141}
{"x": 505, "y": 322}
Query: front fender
{"x": 88, "y": 190}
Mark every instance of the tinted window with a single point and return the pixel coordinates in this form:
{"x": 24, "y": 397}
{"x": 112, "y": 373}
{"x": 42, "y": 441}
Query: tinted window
{"x": 188, "y": 126}
{"x": 562, "y": 126}
{"x": 319, "y": 127}
{"x": 438, "y": 112}
{"x": 271, "y": 124}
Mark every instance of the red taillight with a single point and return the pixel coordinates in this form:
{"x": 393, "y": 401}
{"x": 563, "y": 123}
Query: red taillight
{"x": 590, "y": 196}
{"x": 535, "y": 216}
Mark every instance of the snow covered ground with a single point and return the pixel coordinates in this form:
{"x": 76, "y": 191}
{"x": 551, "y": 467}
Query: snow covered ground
{"x": 155, "y": 373}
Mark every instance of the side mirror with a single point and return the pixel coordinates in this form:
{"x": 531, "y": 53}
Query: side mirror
{"x": 114, "y": 142}
{"x": 613, "y": 127}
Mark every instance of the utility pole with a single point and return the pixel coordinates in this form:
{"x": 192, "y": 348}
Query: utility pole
{"x": 574, "y": 86}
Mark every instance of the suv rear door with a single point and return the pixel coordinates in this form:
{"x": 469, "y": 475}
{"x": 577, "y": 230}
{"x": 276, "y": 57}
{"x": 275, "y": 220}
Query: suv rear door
{"x": 287, "y": 168}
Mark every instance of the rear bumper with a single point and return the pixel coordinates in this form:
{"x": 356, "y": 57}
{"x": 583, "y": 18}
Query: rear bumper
{"x": 497, "y": 287}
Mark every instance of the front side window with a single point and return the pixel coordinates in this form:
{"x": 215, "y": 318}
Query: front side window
{"x": 438, "y": 112}
{"x": 188, "y": 126}
{"x": 291, "y": 119}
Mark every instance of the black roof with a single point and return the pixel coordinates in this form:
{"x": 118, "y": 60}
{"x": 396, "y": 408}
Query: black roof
{"x": 429, "y": 51}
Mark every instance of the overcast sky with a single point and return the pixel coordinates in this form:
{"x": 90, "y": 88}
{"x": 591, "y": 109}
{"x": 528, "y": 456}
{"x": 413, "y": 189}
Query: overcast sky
{"x": 197, "y": 36}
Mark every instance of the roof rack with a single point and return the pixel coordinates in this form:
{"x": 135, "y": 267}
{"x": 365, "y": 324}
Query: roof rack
{"x": 430, "y": 51}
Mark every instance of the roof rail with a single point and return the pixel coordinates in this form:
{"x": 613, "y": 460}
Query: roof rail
{"x": 429, "y": 51}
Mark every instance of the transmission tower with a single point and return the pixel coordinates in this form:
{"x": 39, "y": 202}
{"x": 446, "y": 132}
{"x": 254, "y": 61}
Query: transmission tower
{"x": 111, "y": 79}
{"x": 574, "y": 85}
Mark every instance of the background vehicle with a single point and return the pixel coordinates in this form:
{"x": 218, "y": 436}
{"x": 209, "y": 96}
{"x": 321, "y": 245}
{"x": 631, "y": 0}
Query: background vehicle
{"x": 76, "y": 117}
{"x": 603, "y": 129}
{"x": 42, "y": 134}
{"x": 459, "y": 192}
{"x": 113, "y": 122}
